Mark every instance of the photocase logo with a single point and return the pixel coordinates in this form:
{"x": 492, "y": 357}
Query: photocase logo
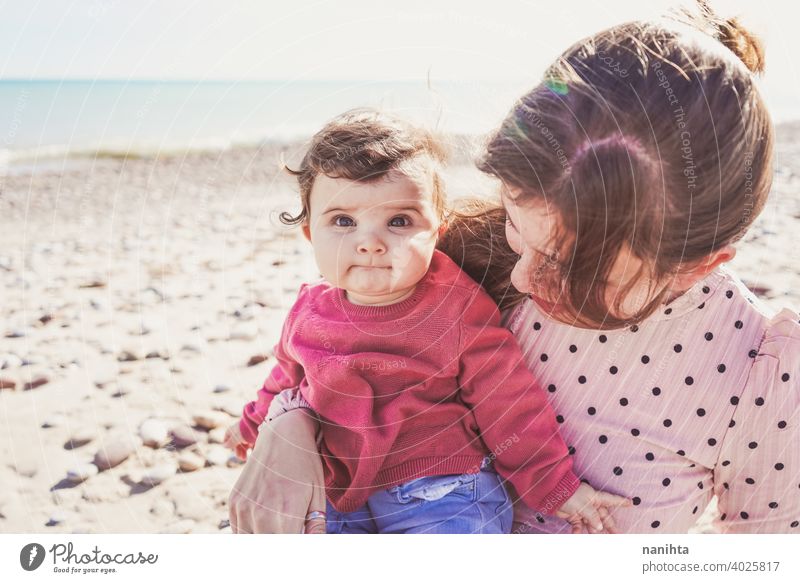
{"x": 31, "y": 556}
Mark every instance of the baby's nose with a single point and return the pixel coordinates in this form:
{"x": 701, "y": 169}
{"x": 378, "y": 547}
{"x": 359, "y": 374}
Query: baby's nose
{"x": 371, "y": 245}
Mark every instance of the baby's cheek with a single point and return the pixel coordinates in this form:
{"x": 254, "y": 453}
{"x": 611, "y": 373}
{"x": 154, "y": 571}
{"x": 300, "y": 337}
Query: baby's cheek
{"x": 521, "y": 277}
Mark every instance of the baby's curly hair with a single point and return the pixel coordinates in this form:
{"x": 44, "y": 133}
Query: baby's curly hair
{"x": 367, "y": 145}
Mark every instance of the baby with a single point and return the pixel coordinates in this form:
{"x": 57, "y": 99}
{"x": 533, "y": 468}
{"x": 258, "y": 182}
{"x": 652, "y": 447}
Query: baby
{"x": 426, "y": 407}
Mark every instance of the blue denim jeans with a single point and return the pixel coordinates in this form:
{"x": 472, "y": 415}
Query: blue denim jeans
{"x": 451, "y": 504}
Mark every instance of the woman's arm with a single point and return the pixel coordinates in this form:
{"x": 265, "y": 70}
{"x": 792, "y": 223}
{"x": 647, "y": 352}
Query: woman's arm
{"x": 758, "y": 471}
{"x": 282, "y": 480}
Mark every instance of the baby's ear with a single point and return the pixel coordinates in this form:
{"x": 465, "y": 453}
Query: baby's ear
{"x": 306, "y": 231}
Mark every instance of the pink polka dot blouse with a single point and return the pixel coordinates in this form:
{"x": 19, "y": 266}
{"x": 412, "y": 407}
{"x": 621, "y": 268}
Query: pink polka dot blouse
{"x": 702, "y": 398}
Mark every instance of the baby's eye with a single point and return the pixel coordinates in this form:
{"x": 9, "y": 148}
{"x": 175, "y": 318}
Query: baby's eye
{"x": 400, "y": 221}
{"x": 343, "y": 221}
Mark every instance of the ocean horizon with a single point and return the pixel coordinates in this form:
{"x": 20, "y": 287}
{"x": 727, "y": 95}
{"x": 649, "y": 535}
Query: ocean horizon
{"x": 57, "y": 119}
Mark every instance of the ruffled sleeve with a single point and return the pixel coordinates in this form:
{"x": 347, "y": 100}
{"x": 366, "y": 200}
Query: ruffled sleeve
{"x": 757, "y": 476}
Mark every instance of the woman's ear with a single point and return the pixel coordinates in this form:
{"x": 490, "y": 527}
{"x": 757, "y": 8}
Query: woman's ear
{"x": 306, "y": 232}
{"x": 687, "y": 277}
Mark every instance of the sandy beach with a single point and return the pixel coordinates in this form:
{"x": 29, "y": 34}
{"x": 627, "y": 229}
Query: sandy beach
{"x": 141, "y": 298}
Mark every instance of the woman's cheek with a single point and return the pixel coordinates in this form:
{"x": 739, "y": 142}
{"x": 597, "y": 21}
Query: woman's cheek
{"x": 521, "y": 275}
{"x": 513, "y": 240}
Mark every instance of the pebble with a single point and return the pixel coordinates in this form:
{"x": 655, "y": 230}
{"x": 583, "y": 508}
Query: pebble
{"x": 81, "y": 473}
{"x": 80, "y": 437}
{"x": 244, "y": 331}
{"x": 36, "y": 382}
{"x": 210, "y": 419}
{"x": 115, "y": 451}
{"x": 56, "y": 420}
{"x": 129, "y": 354}
{"x": 194, "y": 347}
{"x": 190, "y": 462}
{"x": 6, "y": 383}
{"x": 234, "y": 409}
{"x": 158, "y": 474}
{"x": 154, "y": 433}
{"x": 217, "y": 435}
{"x": 10, "y": 361}
{"x": 222, "y": 389}
{"x": 257, "y": 359}
{"x": 57, "y": 517}
{"x": 183, "y": 436}
{"x": 217, "y": 455}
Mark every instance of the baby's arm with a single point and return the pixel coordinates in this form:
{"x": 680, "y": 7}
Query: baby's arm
{"x": 517, "y": 423}
{"x": 286, "y": 374}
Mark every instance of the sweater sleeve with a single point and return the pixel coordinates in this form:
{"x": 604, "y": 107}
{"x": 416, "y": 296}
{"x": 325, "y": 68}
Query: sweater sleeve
{"x": 515, "y": 419}
{"x": 757, "y": 475}
{"x": 286, "y": 374}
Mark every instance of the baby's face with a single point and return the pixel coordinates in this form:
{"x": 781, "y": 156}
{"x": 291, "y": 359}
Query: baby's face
{"x": 373, "y": 239}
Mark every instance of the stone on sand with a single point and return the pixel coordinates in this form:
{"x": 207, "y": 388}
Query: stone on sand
{"x": 115, "y": 450}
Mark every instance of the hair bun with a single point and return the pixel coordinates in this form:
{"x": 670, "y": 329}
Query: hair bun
{"x": 743, "y": 43}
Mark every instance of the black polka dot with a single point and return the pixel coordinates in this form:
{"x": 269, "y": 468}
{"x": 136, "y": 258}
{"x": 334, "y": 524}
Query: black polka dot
{"x": 738, "y": 324}
{"x": 551, "y": 388}
{"x": 723, "y": 517}
{"x": 681, "y": 452}
{"x": 773, "y": 505}
{"x": 689, "y": 380}
{"x": 645, "y": 359}
{"x": 666, "y": 482}
{"x": 656, "y": 391}
{"x": 752, "y": 444}
{"x": 734, "y": 400}
{"x": 712, "y": 442}
{"x": 726, "y": 463}
{"x": 560, "y": 418}
{"x": 744, "y": 515}
{"x": 571, "y": 450}
{"x": 781, "y": 424}
{"x": 701, "y": 412}
{"x": 760, "y": 401}
{"x": 731, "y": 423}
{"x": 649, "y": 456}
{"x": 785, "y": 377}
{"x": 677, "y": 348}
{"x": 573, "y": 348}
{"x": 701, "y": 306}
{"x": 667, "y": 422}
{"x": 582, "y": 379}
{"x": 635, "y": 432}
{"x": 636, "y": 500}
{"x": 700, "y": 485}
{"x": 602, "y": 338}
{"x": 617, "y": 471}
{"x": 753, "y": 353}
{"x": 794, "y": 524}
{"x": 779, "y": 466}
{"x": 543, "y": 358}
{"x": 591, "y": 410}
{"x": 721, "y": 368}
{"x": 668, "y": 311}
{"x": 537, "y": 326}
{"x": 634, "y": 328}
{"x": 750, "y": 481}
{"x": 603, "y": 439}
{"x": 706, "y": 289}
{"x": 655, "y": 524}
{"x": 539, "y": 519}
{"x": 729, "y": 294}
{"x": 623, "y": 401}
{"x": 694, "y": 510}
{"x": 726, "y": 485}
{"x": 613, "y": 370}
{"x": 708, "y": 336}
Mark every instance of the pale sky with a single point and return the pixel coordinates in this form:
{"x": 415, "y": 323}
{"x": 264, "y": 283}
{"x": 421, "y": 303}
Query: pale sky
{"x": 348, "y": 39}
